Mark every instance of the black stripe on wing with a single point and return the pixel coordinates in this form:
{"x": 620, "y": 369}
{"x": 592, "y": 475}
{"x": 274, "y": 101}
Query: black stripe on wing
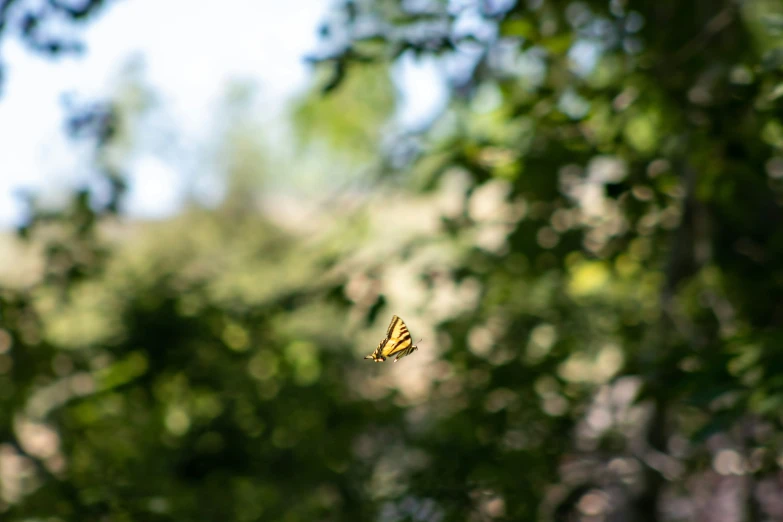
{"x": 402, "y": 344}
{"x": 395, "y": 320}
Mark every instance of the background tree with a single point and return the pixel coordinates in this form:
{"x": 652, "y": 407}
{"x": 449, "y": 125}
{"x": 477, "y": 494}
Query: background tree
{"x": 634, "y": 150}
{"x": 44, "y": 26}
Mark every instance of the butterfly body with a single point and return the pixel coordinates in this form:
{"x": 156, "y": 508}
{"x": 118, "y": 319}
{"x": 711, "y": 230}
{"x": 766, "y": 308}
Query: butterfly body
{"x": 397, "y": 342}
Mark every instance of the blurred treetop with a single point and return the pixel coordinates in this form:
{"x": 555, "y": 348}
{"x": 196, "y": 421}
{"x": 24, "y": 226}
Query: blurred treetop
{"x": 45, "y": 27}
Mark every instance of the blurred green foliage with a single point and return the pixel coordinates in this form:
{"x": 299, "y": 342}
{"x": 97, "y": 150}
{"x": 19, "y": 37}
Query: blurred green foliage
{"x": 588, "y": 240}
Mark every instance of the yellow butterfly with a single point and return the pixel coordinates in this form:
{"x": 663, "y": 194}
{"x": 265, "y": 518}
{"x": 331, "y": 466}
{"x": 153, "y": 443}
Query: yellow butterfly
{"x": 397, "y": 341}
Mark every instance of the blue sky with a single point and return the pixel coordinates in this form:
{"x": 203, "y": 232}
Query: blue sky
{"x": 191, "y": 51}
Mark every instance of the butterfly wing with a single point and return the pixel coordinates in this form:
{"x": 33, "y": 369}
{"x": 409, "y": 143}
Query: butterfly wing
{"x": 394, "y": 326}
{"x": 397, "y": 342}
{"x": 406, "y": 352}
{"x": 400, "y": 342}
{"x": 386, "y": 345}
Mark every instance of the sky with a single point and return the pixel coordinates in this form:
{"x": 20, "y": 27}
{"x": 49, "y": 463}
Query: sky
{"x": 191, "y": 52}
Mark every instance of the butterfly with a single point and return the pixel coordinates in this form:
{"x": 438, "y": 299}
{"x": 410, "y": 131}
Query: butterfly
{"x": 397, "y": 341}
